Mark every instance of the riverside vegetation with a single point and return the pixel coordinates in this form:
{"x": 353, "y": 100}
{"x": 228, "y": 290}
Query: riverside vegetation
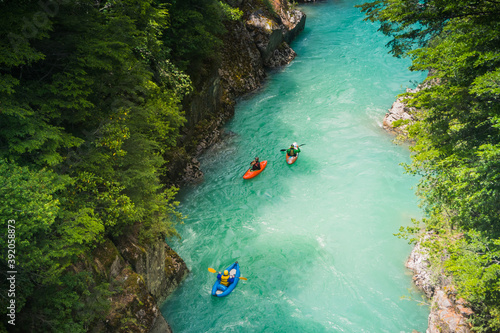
{"x": 90, "y": 110}
{"x": 457, "y": 139}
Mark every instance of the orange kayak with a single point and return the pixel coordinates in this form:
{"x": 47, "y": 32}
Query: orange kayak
{"x": 291, "y": 159}
{"x": 250, "y": 174}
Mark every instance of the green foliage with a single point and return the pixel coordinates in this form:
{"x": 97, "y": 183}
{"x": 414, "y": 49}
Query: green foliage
{"x": 417, "y": 22}
{"x": 457, "y": 134}
{"x": 194, "y": 37}
{"x": 400, "y": 122}
{"x": 90, "y": 103}
{"x": 231, "y": 13}
{"x": 47, "y": 241}
{"x": 475, "y": 263}
{"x": 30, "y": 200}
{"x": 410, "y": 232}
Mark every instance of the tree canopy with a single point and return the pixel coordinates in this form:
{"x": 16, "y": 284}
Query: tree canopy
{"x": 457, "y": 132}
{"x": 90, "y": 103}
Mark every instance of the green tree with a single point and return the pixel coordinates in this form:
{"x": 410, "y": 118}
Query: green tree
{"x": 46, "y": 241}
{"x": 417, "y": 22}
{"x": 457, "y": 133}
{"x": 88, "y": 107}
{"x": 475, "y": 263}
{"x": 194, "y": 35}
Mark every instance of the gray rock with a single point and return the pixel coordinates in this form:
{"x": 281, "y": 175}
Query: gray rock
{"x": 160, "y": 326}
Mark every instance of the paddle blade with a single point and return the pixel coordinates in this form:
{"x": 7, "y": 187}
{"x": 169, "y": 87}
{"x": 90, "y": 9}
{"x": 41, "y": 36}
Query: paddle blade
{"x": 242, "y": 278}
{"x": 211, "y": 270}
{"x": 282, "y": 149}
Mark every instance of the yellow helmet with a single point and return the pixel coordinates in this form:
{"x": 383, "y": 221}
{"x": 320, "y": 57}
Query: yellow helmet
{"x": 226, "y": 272}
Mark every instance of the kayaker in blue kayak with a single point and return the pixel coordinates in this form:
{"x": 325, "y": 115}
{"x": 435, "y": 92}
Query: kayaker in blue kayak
{"x": 255, "y": 164}
{"x": 293, "y": 150}
{"x": 225, "y": 279}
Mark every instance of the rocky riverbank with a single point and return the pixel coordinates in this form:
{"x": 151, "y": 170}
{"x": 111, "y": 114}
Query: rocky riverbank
{"x": 400, "y": 115}
{"x": 142, "y": 276}
{"x": 447, "y": 313}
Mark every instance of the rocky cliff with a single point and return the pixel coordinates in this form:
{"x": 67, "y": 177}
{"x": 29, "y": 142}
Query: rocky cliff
{"x": 141, "y": 277}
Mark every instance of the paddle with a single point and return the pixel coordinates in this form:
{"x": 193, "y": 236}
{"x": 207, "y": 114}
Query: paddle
{"x": 297, "y": 146}
{"x": 211, "y": 270}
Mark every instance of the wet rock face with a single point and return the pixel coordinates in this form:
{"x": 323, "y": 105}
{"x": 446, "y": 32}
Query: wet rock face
{"x": 293, "y": 22}
{"x": 161, "y": 268}
{"x": 272, "y": 37}
{"x": 281, "y": 56}
{"x": 141, "y": 277}
{"x": 266, "y": 34}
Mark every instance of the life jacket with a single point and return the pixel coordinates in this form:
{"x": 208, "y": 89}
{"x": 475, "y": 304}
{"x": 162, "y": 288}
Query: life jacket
{"x": 223, "y": 280}
{"x": 292, "y": 152}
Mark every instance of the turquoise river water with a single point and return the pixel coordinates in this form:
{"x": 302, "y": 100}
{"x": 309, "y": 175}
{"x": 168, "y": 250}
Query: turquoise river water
{"x": 314, "y": 239}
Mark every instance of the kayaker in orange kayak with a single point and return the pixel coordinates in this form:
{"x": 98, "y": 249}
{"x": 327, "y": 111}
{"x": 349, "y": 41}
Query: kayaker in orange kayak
{"x": 255, "y": 164}
{"x": 256, "y": 168}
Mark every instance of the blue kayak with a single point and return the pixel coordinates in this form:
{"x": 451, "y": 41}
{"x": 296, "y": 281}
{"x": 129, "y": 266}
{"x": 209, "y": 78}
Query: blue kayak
{"x": 220, "y": 290}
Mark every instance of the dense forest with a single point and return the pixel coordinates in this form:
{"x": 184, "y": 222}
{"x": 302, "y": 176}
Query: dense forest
{"x": 457, "y": 137}
{"x": 90, "y": 106}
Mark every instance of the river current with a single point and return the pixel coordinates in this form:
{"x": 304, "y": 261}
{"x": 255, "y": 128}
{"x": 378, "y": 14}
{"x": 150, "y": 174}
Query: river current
{"x": 314, "y": 239}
